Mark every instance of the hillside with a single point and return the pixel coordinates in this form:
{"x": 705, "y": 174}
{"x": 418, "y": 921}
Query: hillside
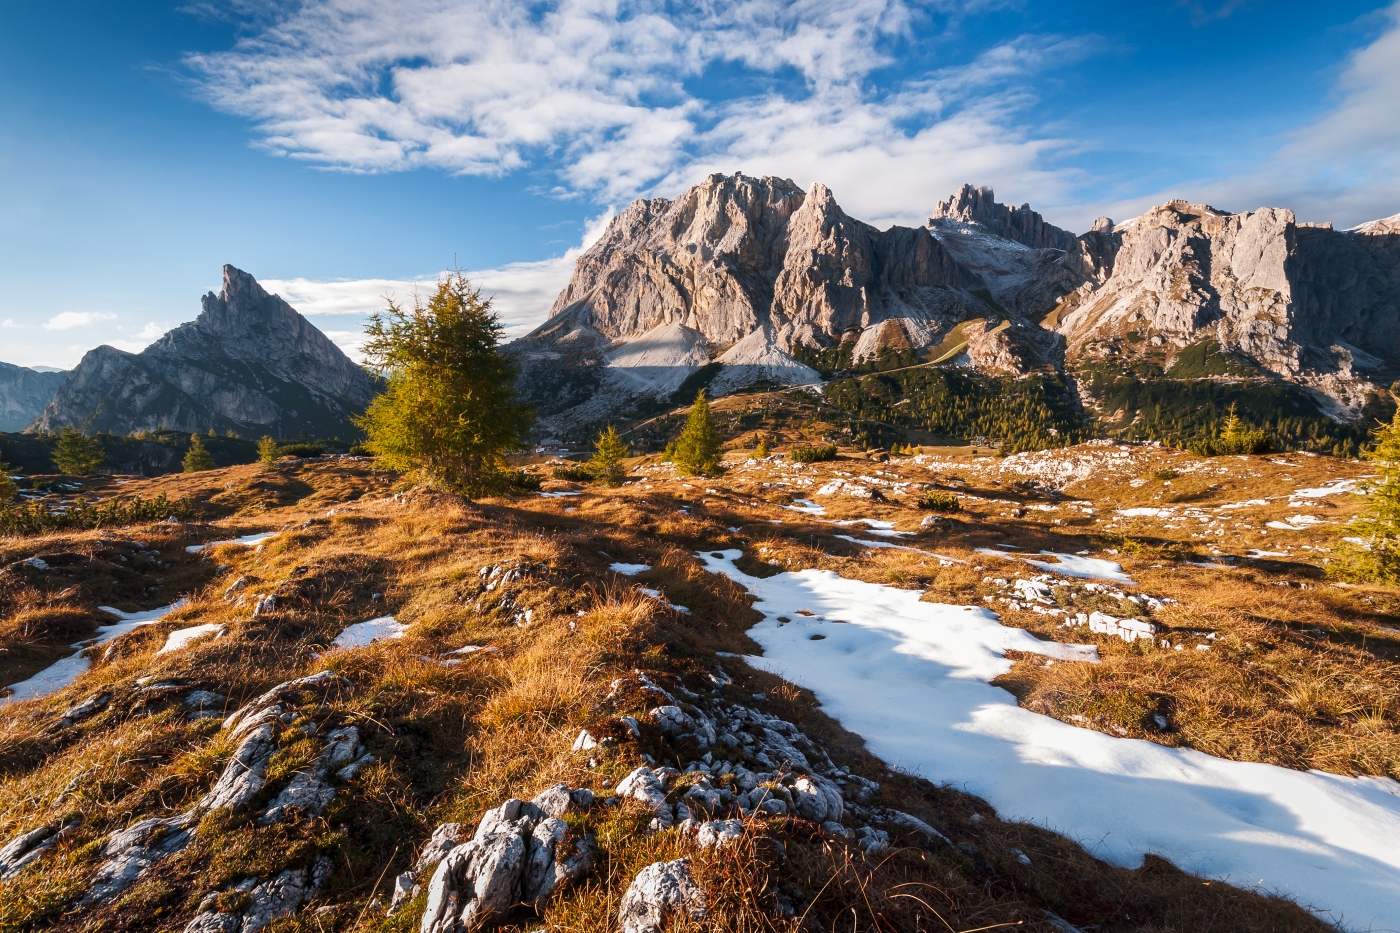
{"x": 24, "y": 394}
{"x": 360, "y": 671}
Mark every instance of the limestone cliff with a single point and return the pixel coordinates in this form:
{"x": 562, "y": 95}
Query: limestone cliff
{"x": 249, "y": 363}
{"x": 740, "y": 271}
{"x": 24, "y": 393}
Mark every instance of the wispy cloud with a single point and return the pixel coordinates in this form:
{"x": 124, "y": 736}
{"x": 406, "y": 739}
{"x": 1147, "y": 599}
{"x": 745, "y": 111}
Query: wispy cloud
{"x": 605, "y": 93}
{"x": 71, "y": 319}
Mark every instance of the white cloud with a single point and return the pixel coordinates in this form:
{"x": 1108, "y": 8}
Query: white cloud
{"x": 71, "y": 319}
{"x": 599, "y": 89}
{"x": 521, "y": 292}
{"x": 8, "y": 322}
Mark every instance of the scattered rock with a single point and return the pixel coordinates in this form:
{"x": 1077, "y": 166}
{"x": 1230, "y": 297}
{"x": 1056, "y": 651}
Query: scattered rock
{"x": 132, "y": 851}
{"x": 718, "y": 833}
{"x": 84, "y": 710}
{"x": 659, "y": 891}
{"x": 266, "y": 901}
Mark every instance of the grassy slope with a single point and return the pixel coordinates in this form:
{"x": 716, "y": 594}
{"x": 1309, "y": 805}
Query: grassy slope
{"x": 454, "y": 741}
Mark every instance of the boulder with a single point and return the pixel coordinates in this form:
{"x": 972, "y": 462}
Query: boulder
{"x": 661, "y": 890}
{"x": 718, "y": 833}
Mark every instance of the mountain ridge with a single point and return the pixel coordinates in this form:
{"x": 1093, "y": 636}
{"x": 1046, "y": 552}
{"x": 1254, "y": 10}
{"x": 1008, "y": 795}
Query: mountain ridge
{"x": 739, "y": 268}
{"x": 248, "y": 364}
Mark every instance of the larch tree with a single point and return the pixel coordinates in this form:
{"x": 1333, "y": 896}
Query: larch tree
{"x": 697, "y": 450}
{"x": 448, "y": 413}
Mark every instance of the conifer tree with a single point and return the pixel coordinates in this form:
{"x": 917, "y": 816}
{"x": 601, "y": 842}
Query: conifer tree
{"x": 697, "y": 451}
{"x": 607, "y": 458}
{"x": 449, "y": 413}
{"x": 267, "y": 453}
{"x": 1376, "y": 558}
{"x": 197, "y": 458}
{"x": 761, "y": 451}
{"x": 76, "y": 454}
{"x": 8, "y": 489}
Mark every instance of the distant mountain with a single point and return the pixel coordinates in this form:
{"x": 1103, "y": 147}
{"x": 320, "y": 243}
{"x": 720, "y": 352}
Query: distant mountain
{"x": 742, "y": 280}
{"x": 249, "y": 364}
{"x": 24, "y": 394}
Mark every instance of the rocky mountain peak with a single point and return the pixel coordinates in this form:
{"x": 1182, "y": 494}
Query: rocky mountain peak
{"x": 248, "y": 363}
{"x": 979, "y": 207}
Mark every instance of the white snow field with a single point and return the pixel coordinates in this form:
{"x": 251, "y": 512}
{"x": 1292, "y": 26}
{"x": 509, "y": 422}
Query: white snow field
{"x": 912, "y": 679}
{"x": 63, "y": 672}
{"x": 367, "y": 633}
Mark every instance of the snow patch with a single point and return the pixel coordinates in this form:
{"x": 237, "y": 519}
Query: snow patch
{"x": 629, "y": 570}
{"x": 182, "y": 637}
{"x": 912, "y": 679}
{"x": 367, "y": 633}
{"x": 245, "y": 541}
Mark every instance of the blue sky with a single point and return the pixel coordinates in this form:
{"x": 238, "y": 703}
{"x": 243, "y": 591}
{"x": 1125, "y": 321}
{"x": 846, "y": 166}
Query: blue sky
{"x": 343, "y": 149}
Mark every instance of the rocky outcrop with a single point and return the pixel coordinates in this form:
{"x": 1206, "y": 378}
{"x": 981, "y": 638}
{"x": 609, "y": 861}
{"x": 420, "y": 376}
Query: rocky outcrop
{"x": 24, "y": 394}
{"x": 522, "y": 852}
{"x": 248, "y": 364}
{"x": 978, "y": 207}
{"x": 1303, "y": 302}
{"x": 740, "y": 271}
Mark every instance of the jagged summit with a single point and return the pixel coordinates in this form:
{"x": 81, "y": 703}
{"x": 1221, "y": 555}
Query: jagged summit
{"x": 249, "y": 364}
{"x": 979, "y": 207}
{"x": 738, "y": 279}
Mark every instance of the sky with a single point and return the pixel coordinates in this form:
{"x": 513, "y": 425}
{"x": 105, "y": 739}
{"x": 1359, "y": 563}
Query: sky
{"x": 343, "y": 151}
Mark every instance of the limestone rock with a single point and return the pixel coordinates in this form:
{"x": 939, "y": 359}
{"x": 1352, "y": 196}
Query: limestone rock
{"x": 718, "y": 833}
{"x": 24, "y": 394}
{"x": 661, "y": 890}
{"x": 133, "y": 850}
{"x": 249, "y": 363}
{"x": 979, "y": 207}
{"x": 279, "y": 896}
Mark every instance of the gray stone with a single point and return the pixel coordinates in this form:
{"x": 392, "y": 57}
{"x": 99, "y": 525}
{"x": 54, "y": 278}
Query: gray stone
{"x": 718, "y": 833}
{"x": 660, "y": 891}
{"x": 130, "y": 852}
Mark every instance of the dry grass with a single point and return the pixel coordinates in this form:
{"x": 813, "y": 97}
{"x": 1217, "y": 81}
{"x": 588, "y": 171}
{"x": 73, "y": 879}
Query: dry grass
{"x": 452, "y": 741}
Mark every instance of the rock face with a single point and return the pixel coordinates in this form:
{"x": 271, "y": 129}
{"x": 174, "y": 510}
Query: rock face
{"x": 737, "y": 271}
{"x": 1309, "y": 304}
{"x": 735, "y": 280}
{"x": 249, "y": 364}
{"x": 979, "y": 207}
{"x": 24, "y": 394}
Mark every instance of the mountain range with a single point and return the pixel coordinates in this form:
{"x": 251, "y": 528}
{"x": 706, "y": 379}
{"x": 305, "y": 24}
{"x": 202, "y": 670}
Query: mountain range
{"x": 744, "y": 281}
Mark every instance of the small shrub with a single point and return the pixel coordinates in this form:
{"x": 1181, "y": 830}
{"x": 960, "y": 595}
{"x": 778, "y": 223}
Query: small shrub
{"x": 578, "y": 474}
{"x": 813, "y": 454}
{"x": 300, "y": 450}
{"x": 35, "y": 519}
{"x": 935, "y": 501}
{"x": 524, "y": 479}
{"x": 1165, "y": 475}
